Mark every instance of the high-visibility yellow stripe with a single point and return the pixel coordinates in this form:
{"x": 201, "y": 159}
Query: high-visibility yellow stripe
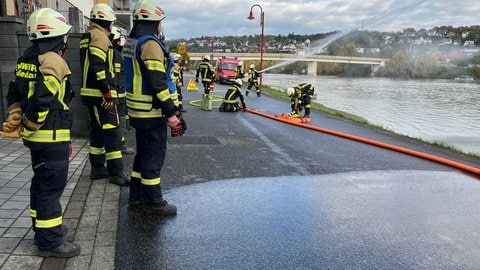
{"x": 46, "y": 136}
{"x": 97, "y": 150}
{"x": 49, "y": 223}
{"x": 113, "y": 155}
{"x": 101, "y": 75}
{"x": 86, "y": 65}
{"x": 98, "y": 52}
{"x": 141, "y": 98}
{"x": 136, "y": 174}
{"x": 33, "y": 213}
{"x": 144, "y": 114}
{"x": 52, "y": 84}
{"x": 151, "y": 182}
{"x": 164, "y": 95}
{"x": 154, "y": 65}
{"x": 42, "y": 116}
{"x": 90, "y": 92}
{"x": 139, "y": 106}
{"x": 108, "y": 126}
{"x": 137, "y": 78}
{"x": 111, "y": 68}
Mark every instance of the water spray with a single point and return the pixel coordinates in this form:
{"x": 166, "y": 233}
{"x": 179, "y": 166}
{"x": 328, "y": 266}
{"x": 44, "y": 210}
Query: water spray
{"x": 321, "y": 44}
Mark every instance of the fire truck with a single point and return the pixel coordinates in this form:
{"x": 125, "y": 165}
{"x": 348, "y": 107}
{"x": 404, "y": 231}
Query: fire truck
{"x": 224, "y": 69}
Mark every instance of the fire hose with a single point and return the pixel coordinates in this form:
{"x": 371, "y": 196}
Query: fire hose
{"x": 396, "y": 148}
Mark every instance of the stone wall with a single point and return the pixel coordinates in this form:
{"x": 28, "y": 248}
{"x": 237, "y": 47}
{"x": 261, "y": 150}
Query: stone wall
{"x": 13, "y": 42}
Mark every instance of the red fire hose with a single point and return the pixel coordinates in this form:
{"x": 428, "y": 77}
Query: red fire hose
{"x": 400, "y": 149}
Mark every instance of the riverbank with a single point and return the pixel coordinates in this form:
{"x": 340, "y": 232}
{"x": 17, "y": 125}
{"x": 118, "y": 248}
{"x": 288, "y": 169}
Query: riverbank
{"x": 280, "y": 94}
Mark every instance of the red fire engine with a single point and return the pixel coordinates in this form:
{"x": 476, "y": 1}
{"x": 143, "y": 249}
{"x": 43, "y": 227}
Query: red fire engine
{"x": 224, "y": 69}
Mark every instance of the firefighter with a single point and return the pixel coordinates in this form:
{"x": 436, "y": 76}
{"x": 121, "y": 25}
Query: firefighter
{"x": 253, "y": 76}
{"x": 97, "y": 92}
{"x": 150, "y": 106}
{"x": 238, "y": 71}
{"x": 177, "y": 76}
{"x": 230, "y": 103}
{"x": 205, "y": 70}
{"x": 119, "y": 84}
{"x": 300, "y": 97}
{"x": 42, "y": 93}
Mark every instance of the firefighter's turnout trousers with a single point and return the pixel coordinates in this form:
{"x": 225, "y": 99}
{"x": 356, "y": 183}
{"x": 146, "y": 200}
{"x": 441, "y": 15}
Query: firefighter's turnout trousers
{"x": 50, "y": 167}
{"x": 105, "y": 139}
{"x": 149, "y": 159}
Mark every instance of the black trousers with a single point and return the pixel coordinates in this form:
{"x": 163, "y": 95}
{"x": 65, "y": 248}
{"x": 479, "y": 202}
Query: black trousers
{"x": 151, "y": 150}
{"x": 105, "y": 139}
{"x": 50, "y": 168}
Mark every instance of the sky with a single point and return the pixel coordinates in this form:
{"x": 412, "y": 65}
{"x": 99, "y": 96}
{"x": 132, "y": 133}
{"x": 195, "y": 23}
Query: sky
{"x": 194, "y": 18}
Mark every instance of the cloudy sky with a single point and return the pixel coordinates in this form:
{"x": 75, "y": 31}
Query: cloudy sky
{"x": 194, "y": 18}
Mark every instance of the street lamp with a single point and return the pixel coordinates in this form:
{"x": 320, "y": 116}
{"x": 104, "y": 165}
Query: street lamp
{"x": 262, "y": 38}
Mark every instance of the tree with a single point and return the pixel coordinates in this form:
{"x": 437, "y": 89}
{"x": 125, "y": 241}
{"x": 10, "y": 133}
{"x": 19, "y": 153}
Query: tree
{"x": 400, "y": 65}
{"x": 426, "y": 66}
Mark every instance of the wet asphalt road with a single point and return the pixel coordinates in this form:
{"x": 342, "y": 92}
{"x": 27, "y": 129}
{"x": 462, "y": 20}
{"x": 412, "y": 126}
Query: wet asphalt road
{"x": 253, "y": 193}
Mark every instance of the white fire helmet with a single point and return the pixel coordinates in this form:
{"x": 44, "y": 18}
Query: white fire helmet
{"x": 46, "y": 23}
{"x": 177, "y": 57}
{"x": 239, "y": 82}
{"x": 240, "y": 63}
{"x": 148, "y": 10}
{"x": 290, "y": 91}
{"x": 252, "y": 66}
{"x": 103, "y": 12}
{"x": 206, "y": 57}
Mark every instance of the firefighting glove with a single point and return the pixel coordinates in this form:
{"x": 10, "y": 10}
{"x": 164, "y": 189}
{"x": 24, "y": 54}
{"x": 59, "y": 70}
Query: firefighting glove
{"x": 11, "y": 126}
{"x": 196, "y": 80}
{"x": 107, "y": 101}
{"x": 244, "y": 106}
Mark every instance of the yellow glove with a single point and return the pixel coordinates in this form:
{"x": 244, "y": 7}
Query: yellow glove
{"x": 11, "y": 126}
{"x": 11, "y": 133}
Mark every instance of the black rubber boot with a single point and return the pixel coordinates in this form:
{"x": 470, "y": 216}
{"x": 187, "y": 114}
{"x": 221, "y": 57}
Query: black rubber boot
{"x": 121, "y": 179}
{"x": 125, "y": 149}
{"x": 98, "y": 173}
{"x": 65, "y": 250}
{"x": 162, "y": 208}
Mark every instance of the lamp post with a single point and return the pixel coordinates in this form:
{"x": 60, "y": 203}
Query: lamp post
{"x": 262, "y": 38}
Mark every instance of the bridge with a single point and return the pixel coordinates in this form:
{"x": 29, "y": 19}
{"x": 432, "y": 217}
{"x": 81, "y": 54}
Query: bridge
{"x": 311, "y": 59}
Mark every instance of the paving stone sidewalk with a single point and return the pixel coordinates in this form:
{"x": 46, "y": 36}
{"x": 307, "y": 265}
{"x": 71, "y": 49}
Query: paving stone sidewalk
{"x": 90, "y": 212}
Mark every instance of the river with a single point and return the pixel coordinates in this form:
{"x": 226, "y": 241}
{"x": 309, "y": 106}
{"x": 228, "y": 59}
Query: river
{"x": 443, "y": 111}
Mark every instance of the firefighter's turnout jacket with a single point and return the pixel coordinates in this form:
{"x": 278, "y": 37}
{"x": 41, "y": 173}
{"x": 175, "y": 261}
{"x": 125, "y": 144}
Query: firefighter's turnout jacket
{"x": 177, "y": 77}
{"x": 253, "y": 76}
{"x": 96, "y": 60}
{"x": 43, "y": 91}
{"x": 153, "y": 96}
{"x": 302, "y": 98}
{"x": 230, "y": 103}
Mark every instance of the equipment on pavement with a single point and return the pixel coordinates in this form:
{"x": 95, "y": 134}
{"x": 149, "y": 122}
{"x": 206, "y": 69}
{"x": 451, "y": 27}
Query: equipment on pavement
{"x": 293, "y": 118}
